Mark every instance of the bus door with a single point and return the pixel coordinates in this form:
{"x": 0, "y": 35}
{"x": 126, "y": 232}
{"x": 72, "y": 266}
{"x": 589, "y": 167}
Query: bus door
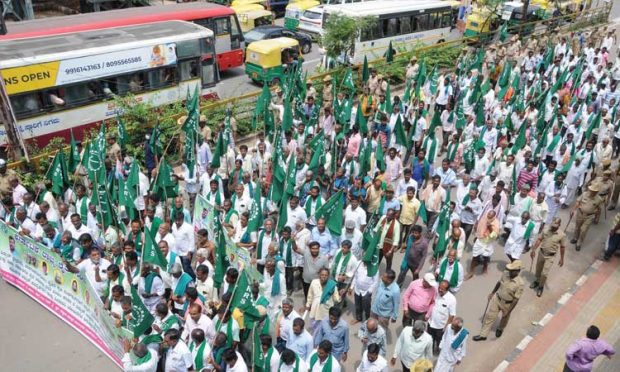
{"x": 228, "y": 38}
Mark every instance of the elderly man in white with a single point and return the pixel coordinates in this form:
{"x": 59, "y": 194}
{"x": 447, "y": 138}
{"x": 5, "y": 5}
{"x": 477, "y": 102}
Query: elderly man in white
{"x": 372, "y": 361}
{"x": 522, "y": 234}
{"x": 450, "y": 269}
{"x": 453, "y": 346}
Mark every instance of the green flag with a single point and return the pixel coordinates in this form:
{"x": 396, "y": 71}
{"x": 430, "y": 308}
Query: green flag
{"x": 287, "y": 117}
{"x": 433, "y": 80}
{"x": 221, "y": 259}
{"x": 422, "y": 212}
{"x": 389, "y": 53}
{"x": 121, "y": 132}
{"x": 513, "y": 191}
{"x": 370, "y": 245}
{"x": 243, "y": 298}
{"x": 504, "y": 78}
{"x": 399, "y": 131}
{"x": 594, "y": 124}
{"x": 332, "y": 211}
{"x": 443, "y": 223}
{"x": 57, "y": 173}
{"x": 155, "y": 141}
{"x": 347, "y": 80}
{"x": 365, "y": 70}
{"x": 152, "y": 254}
{"x": 290, "y": 177}
{"x": 380, "y": 157}
{"x": 256, "y": 213}
{"x": 219, "y": 150}
{"x": 74, "y": 156}
{"x": 283, "y": 212}
{"x": 503, "y": 32}
{"x": 388, "y": 99}
{"x": 520, "y": 140}
{"x": 364, "y": 158}
{"x": 360, "y": 120}
{"x": 141, "y": 318}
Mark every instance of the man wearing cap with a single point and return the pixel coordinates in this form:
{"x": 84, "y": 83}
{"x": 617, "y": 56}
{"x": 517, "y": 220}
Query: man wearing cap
{"x": 418, "y": 298}
{"x": 113, "y": 151}
{"x": 412, "y": 68}
{"x": 587, "y": 206}
{"x": 310, "y": 90}
{"x": 550, "y": 242}
{"x": 381, "y": 87}
{"x": 605, "y": 185}
{"x": 328, "y": 95}
{"x": 503, "y": 298}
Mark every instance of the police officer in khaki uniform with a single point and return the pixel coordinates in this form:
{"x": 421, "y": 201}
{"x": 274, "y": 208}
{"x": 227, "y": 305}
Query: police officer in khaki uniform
{"x": 310, "y": 90}
{"x": 588, "y": 205}
{"x": 412, "y": 68}
{"x": 550, "y": 242}
{"x": 605, "y": 186}
{"x": 381, "y": 86}
{"x": 373, "y": 81}
{"x": 328, "y": 95}
{"x": 113, "y": 151}
{"x": 504, "y": 298}
{"x": 5, "y": 175}
{"x": 616, "y": 193}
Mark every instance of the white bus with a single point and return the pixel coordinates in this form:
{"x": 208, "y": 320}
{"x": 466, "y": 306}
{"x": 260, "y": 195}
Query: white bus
{"x": 405, "y": 23}
{"x": 69, "y": 81}
{"x": 311, "y": 20}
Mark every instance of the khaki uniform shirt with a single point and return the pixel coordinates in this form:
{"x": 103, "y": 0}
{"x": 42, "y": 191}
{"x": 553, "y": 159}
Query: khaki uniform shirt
{"x": 589, "y": 205}
{"x": 552, "y": 241}
{"x": 510, "y": 289}
{"x": 311, "y": 92}
{"x": 328, "y": 96}
{"x": 114, "y": 152}
{"x": 412, "y": 71}
{"x": 604, "y": 187}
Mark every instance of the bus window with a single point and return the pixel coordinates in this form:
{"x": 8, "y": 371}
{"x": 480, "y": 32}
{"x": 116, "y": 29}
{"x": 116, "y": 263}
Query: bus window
{"x": 188, "y": 70}
{"x": 434, "y": 21}
{"x": 447, "y": 19}
{"x": 25, "y": 105}
{"x": 222, "y": 26}
{"x": 421, "y": 22}
{"x": 390, "y": 27}
{"x": 236, "y": 37}
{"x": 405, "y": 25}
{"x": 77, "y": 94}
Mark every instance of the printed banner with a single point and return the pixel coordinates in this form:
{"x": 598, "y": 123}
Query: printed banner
{"x": 50, "y": 74}
{"x": 41, "y": 274}
{"x": 204, "y": 214}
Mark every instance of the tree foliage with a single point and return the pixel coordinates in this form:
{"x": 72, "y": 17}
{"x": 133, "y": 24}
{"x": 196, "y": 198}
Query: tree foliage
{"x": 342, "y": 31}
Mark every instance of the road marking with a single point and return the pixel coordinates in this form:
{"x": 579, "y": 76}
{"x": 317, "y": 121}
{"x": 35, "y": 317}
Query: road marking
{"x": 565, "y": 297}
{"x": 523, "y": 344}
{"x": 545, "y": 319}
{"x": 502, "y": 366}
{"x": 582, "y": 279}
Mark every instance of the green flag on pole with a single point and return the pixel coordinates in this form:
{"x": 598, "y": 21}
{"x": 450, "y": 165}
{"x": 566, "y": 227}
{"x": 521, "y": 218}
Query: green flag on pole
{"x": 332, "y": 212}
{"x": 370, "y": 245}
{"x": 121, "y": 132}
{"x": 389, "y": 53}
{"x": 57, "y": 173}
{"x": 256, "y": 213}
{"x": 74, "y": 156}
{"x": 141, "y": 318}
{"x": 365, "y": 71}
{"x": 152, "y": 254}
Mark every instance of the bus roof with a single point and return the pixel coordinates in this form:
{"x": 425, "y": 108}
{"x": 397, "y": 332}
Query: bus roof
{"x": 30, "y": 51}
{"x": 114, "y": 18}
{"x": 379, "y": 7}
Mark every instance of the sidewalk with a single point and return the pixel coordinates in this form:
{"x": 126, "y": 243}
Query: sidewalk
{"x": 595, "y": 299}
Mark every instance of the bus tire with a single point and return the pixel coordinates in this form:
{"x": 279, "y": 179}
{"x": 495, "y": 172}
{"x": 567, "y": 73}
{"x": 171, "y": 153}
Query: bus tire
{"x": 441, "y": 41}
{"x": 306, "y": 48}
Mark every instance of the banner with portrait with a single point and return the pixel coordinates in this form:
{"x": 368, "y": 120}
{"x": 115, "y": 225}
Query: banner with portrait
{"x": 41, "y": 274}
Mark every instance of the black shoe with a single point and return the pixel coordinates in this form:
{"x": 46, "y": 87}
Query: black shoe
{"x": 534, "y": 285}
{"x": 539, "y": 291}
{"x": 606, "y": 258}
{"x": 498, "y": 333}
{"x": 479, "y": 338}
{"x": 573, "y": 241}
{"x": 578, "y": 248}
{"x": 611, "y": 208}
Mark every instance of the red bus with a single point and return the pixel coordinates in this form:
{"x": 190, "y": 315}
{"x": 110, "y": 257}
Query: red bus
{"x": 222, "y": 20}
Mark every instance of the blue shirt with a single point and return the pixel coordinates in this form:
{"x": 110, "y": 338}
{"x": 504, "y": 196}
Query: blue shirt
{"x": 325, "y": 240}
{"x": 394, "y": 204}
{"x": 302, "y": 344}
{"x": 418, "y": 171}
{"x": 386, "y": 301}
{"x": 338, "y": 336}
{"x": 448, "y": 178}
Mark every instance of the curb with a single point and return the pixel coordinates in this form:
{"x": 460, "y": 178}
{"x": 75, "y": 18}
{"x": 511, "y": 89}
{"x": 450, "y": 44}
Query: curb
{"x": 540, "y": 325}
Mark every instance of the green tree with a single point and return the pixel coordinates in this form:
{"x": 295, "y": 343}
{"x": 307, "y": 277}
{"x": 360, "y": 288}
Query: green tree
{"x": 341, "y": 32}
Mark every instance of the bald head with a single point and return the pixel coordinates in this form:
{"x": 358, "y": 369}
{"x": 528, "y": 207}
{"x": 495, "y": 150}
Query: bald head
{"x": 140, "y": 350}
{"x": 371, "y": 325}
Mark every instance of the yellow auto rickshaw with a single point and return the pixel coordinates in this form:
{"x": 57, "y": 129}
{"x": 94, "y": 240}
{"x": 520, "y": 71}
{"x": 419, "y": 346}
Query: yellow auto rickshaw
{"x": 479, "y": 22}
{"x": 253, "y": 18}
{"x": 269, "y": 60}
{"x": 294, "y": 10}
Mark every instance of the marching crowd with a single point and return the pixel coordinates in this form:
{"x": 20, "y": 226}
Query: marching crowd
{"x": 465, "y": 161}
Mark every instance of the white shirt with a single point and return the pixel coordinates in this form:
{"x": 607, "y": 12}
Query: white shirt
{"x": 178, "y": 358}
{"x": 409, "y": 349}
{"x": 239, "y": 365}
{"x": 358, "y": 215}
{"x": 401, "y": 189}
{"x": 445, "y": 306}
{"x": 88, "y": 268}
{"x": 169, "y": 238}
{"x": 184, "y": 238}
{"x": 204, "y": 322}
{"x": 379, "y": 365}
{"x": 149, "y": 366}
{"x": 205, "y": 354}
{"x": 75, "y": 233}
{"x": 303, "y": 366}
{"x": 448, "y": 356}
{"x": 362, "y": 283}
{"x": 157, "y": 287}
{"x": 318, "y": 366}
{"x": 295, "y": 215}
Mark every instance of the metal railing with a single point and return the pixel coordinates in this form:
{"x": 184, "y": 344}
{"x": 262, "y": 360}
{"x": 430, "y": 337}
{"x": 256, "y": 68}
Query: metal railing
{"x": 246, "y": 101}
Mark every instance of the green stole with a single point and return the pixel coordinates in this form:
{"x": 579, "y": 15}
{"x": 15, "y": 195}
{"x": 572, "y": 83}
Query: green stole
{"x": 328, "y": 290}
{"x": 328, "y": 364}
{"x": 152, "y": 339}
{"x": 343, "y": 267}
{"x": 155, "y": 225}
{"x": 259, "y": 243}
{"x": 528, "y": 231}
{"x": 229, "y": 214}
{"x": 218, "y": 198}
{"x": 239, "y": 175}
{"x": 168, "y": 323}
{"x": 83, "y": 209}
{"x": 554, "y": 142}
{"x": 118, "y": 261}
{"x": 119, "y": 281}
{"x": 66, "y": 251}
{"x": 465, "y": 200}
{"x": 288, "y": 260}
{"x": 144, "y": 359}
{"x": 454, "y": 278}
{"x": 199, "y": 360}
{"x": 181, "y": 286}
{"x": 308, "y": 206}
{"x": 148, "y": 282}
{"x": 137, "y": 241}
{"x": 41, "y": 197}
{"x": 452, "y": 148}
{"x": 229, "y": 330}
{"x": 433, "y": 147}
{"x": 267, "y": 360}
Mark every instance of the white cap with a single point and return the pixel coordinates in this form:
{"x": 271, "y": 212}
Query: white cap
{"x": 430, "y": 279}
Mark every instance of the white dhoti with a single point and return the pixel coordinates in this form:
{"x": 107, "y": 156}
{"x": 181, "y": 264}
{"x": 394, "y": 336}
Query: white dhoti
{"x": 511, "y": 220}
{"x": 443, "y": 365}
{"x": 483, "y": 247}
{"x": 553, "y": 209}
{"x": 571, "y": 193}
